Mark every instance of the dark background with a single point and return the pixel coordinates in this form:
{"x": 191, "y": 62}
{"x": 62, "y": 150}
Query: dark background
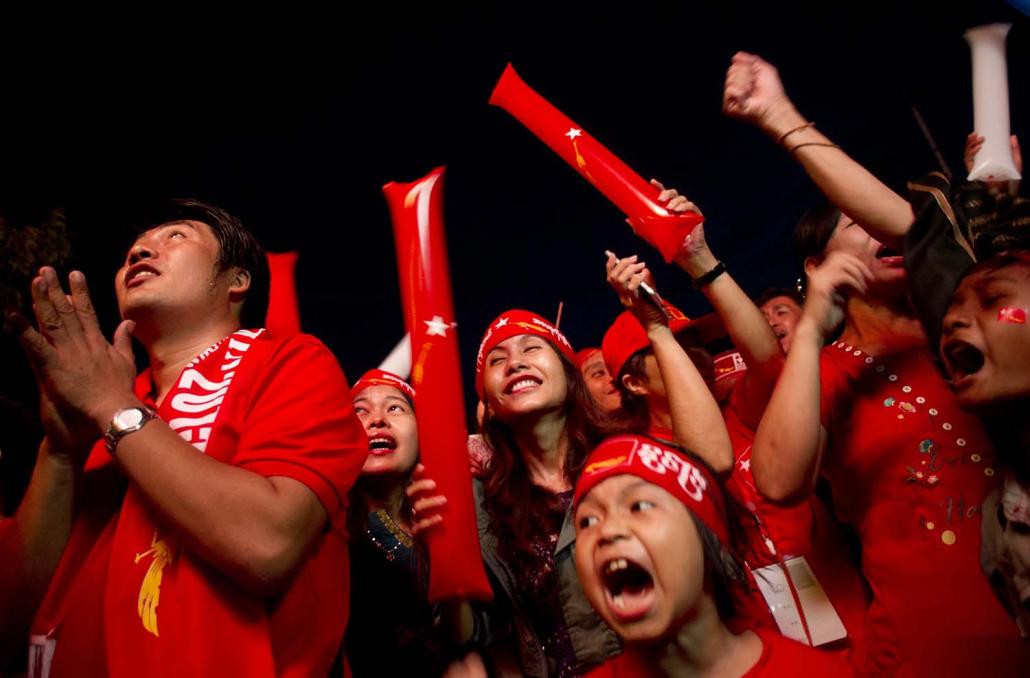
{"x": 294, "y": 122}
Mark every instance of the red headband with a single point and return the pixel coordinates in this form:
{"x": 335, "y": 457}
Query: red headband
{"x": 583, "y": 354}
{"x": 728, "y": 363}
{"x": 626, "y": 336}
{"x": 674, "y": 471}
{"x": 382, "y": 378}
{"x": 511, "y": 324}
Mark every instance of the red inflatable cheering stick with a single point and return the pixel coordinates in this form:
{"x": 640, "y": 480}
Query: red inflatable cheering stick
{"x": 283, "y": 316}
{"x": 637, "y": 199}
{"x": 455, "y": 561}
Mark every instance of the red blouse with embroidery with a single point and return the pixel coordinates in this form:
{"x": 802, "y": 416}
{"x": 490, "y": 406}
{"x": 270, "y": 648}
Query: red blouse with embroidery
{"x": 909, "y": 470}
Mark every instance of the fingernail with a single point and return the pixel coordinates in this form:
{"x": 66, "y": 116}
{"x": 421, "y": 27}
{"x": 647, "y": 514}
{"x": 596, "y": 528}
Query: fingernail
{"x": 76, "y": 277}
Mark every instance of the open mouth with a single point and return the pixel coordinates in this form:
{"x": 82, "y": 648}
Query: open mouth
{"x": 963, "y": 359}
{"x": 381, "y": 445}
{"x": 523, "y": 384}
{"x": 139, "y": 273}
{"x": 780, "y": 333}
{"x": 629, "y": 588}
{"x": 888, "y": 256}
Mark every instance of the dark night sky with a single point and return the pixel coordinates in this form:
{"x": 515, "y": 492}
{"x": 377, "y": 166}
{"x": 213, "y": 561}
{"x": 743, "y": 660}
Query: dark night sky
{"x": 295, "y": 122}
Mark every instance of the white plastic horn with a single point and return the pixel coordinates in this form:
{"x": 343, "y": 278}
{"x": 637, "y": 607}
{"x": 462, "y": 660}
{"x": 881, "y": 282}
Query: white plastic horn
{"x": 399, "y": 360}
{"x": 993, "y": 162}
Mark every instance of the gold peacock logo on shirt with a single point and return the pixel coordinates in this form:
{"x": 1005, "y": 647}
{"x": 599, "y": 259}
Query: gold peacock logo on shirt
{"x": 162, "y": 552}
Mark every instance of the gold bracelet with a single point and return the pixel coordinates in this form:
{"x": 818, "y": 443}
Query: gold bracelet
{"x": 786, "y": 134}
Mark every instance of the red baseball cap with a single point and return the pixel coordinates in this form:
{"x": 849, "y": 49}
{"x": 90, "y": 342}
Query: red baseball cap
{"x": 382, "y": 378}
{"x": 626, "y": 336}
{"x": 511, "y": 324}
{"x": 677, "y": 472}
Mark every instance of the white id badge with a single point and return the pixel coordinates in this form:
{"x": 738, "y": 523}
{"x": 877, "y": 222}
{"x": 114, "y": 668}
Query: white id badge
{"x": 41, "y": 654}
{"x": 824, "y": 623}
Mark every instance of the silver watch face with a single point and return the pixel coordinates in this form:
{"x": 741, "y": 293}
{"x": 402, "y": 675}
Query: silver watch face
{"x": 128, "y": 417}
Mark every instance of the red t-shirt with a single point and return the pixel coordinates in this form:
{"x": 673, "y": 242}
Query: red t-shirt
{"x": 288, "y": 413}
{"x": 781, "y": 658}
{"x": 801, "y": 529}
{"x": 909, "y": 470}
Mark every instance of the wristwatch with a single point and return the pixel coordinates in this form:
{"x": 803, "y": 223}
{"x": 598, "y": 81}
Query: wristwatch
{"x": 126, "y": 421}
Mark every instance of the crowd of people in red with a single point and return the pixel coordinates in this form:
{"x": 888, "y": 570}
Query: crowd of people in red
{"x": 846, "y": 492}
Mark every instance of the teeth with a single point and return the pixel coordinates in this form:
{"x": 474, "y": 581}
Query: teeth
{"x": 616, "y": 565}
{"x": 522, "y": 385}
{"x": 619, "y": 602}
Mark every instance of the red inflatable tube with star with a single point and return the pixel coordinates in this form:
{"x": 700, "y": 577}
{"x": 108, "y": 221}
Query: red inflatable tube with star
{"x": 455, "y": 561}
{"x": 626, "y": 189}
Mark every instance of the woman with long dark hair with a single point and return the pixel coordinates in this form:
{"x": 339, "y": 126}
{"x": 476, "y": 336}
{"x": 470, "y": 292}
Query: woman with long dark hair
{"x": 393, "y": 629}
{"x": 540, "y": 422}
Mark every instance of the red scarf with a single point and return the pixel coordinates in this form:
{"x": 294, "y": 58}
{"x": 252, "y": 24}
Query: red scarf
{"x": 164, "y": 609}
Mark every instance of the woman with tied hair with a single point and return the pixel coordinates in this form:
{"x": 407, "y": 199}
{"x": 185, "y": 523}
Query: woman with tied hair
{"x": 870, "y": 413}
{"x": 540, "y": 422}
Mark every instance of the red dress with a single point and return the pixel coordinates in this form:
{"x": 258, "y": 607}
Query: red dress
{"x": 910, "y": 470}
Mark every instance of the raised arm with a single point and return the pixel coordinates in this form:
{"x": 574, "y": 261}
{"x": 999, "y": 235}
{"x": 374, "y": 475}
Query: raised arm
{"x": 754, "y": 93}
{"x": 747, "y": 327}
{"x": 696, "y": 420}
{"x": 790, "y": 440}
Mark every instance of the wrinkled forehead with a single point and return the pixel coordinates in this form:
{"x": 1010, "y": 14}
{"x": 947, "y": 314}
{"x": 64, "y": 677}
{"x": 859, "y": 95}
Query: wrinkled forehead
{"x": 621, "y": 486}
{"x": 781, "y": 301}
{"x": 615, "y": 486}
{"x": 150, "y": 231}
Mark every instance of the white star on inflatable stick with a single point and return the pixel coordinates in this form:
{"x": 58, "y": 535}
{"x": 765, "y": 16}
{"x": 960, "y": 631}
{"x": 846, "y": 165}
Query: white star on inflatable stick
{"x": 745, "y": 464}
{"x": 436, "y": 327}
{"x": 573, "y": 133}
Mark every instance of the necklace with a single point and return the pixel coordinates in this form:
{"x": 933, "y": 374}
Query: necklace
{"x": 401, "y": 538}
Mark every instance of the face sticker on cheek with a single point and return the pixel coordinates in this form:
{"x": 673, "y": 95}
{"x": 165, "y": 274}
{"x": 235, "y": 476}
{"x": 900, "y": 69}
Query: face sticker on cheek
{"x": 1012, "y": 314}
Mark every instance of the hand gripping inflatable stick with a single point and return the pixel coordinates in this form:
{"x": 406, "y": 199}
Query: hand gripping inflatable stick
{"x": 637, "y": 199}
{"x": 455, "y": 560}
